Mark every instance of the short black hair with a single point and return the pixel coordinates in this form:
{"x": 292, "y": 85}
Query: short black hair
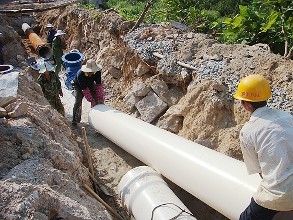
{"x": 257, "y": 105}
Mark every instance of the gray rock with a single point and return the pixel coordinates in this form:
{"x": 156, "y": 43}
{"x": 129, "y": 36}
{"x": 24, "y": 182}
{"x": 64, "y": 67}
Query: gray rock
{"x": 142, "y": 69}
{"x": 173, "y": 96}
{"x": 8, "y": 88}
{"x": 151, "y": 107}
{"x": 173, "y": 123}
{"x": 17, "y": 109}
{"x": 159, "y": 87}
{"x": 116, "y": 73}
{"x": 140, "y": 89}
{"x": 130, "y": 100}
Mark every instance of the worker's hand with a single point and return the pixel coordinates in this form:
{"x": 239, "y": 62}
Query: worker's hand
{"x": 61, "y": 93}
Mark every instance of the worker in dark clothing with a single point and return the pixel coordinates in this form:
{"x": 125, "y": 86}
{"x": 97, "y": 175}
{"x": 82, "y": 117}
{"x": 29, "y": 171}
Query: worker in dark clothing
{"x": 88, "y": 84}
{"x": 50, "y": 33}
{"x": 1, "y": 50}
{"x": 58, "y": 45}
{"x": 51, "y": 86}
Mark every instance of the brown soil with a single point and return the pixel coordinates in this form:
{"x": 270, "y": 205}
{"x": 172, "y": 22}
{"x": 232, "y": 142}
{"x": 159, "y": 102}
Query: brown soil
{"x": 42, "y": 170}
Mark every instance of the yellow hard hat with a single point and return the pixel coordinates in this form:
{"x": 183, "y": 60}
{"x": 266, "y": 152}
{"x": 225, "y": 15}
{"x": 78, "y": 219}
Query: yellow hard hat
{"x": 253, "y": 88}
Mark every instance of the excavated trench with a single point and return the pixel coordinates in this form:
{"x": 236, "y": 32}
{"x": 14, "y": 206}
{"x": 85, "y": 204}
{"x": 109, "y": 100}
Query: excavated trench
{"x": 107, "y": 156}
{"x": 199, "y": 108}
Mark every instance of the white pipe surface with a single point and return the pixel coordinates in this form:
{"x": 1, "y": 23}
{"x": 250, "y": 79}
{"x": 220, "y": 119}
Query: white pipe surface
{"x": 148, "y": 197}
{"x": 218, "y": 180}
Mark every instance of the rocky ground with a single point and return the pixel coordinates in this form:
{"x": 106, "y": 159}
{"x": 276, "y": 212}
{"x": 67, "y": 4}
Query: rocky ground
{"x": 42, "y": 171}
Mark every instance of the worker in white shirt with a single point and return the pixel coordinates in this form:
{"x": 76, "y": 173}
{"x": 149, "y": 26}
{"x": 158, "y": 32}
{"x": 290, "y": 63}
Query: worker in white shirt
{"x": 267, "y": 146}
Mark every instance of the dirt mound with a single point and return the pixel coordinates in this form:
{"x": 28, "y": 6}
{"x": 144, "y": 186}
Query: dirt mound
{"x": 42, "y": 159}
{"x": 41, "y": 168}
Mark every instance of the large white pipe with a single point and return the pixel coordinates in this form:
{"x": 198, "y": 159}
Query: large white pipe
{"x": 216, "y": 179}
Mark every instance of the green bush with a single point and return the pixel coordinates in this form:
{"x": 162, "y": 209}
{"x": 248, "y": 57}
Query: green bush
{"x": 231, "y": 21}
{"x": 267, "y": 21}
{"x": 128, "y": 9}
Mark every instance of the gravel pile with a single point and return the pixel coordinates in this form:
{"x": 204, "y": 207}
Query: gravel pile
{"x": 281, "y": 100}
{"x": 206, "y": 68}
{"x": 145, "y": 47}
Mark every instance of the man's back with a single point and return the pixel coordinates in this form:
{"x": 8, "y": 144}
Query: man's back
{"x": 267, "y": 146}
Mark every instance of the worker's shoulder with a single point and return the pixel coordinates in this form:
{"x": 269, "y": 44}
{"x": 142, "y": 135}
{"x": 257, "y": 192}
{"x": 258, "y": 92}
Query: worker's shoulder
{"x": 279, "y": 116}
{"x": 271, "y": 119}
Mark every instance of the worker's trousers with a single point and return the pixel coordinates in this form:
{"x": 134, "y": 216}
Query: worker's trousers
{"x": 58, "y": 61}
{"x": 77, "y": 105}
{"x": 257, "y": 212}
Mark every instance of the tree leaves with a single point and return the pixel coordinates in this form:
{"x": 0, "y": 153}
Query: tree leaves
{"x": 266, "y": 21}
{"x": 231, "y": 21}
{"x": 272, "y": 20}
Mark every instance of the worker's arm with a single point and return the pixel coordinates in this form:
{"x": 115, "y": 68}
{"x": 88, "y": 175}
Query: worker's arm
{"x": 249, "y": 155}
{"x": 100, "y": 94}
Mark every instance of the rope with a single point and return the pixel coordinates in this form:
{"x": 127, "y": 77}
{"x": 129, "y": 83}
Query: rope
{"x": 176, "y": 216}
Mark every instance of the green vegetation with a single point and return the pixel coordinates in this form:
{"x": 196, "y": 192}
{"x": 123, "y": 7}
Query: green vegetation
{"x": 263, "y": 21}
{"x": 230, "y": 21}
{"x": 132, "y": 9}
{"x": 87, "y": 6}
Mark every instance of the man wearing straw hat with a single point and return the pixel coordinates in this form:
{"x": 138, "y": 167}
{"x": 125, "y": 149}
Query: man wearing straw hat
{"x": 87, "y": 83}
{"x": 51, "y": 86}
{"x": 58, "y": 45}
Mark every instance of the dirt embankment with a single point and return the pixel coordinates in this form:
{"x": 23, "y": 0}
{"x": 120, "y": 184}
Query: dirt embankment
{"x": 198, "y": 103}
{"x": 42, "y": 172}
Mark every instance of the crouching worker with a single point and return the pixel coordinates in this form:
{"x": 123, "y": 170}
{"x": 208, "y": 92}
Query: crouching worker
{"x": 266, "y": 144}
{"x": 87, "y": 83}
{"x": 51, "y": 86}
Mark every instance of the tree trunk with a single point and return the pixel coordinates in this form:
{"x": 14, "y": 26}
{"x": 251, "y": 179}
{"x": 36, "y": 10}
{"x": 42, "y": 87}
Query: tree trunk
{"x": 142, "y": 16}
